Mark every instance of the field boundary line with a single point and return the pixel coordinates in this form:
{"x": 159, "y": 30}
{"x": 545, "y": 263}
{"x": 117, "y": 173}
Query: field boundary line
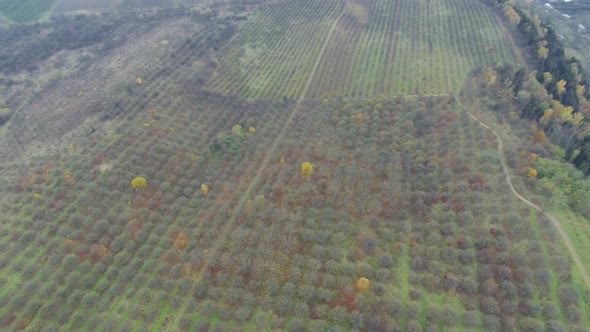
{"x": 244, "y": 197}
{"x": 554, "y": 220}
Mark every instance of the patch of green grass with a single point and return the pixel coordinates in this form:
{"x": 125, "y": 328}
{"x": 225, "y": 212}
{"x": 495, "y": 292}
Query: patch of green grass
{"x": 25, "y": 10}
{"x": 578, "y": 230}
{"x": 580, "y": 286}
{"x": 404, "y": 273}
{"x": 554, "y": 278}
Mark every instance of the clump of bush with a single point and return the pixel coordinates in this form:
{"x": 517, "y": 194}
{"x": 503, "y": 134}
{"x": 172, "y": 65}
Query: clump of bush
{"x": 5, "y": 114}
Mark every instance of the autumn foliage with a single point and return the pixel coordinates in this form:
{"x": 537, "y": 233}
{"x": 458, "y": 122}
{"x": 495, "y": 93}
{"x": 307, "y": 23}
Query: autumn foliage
{"x": 542, "y": 52}
{"x": 561, "y": 86}
{"x": 180, "y": 241}
{"x": 306, "y": 170}
{"x": 362, "y": 284}
{"x": 540, "y": 137}
{"x": 139, "y": 182}
{"x": 532, "y": 173}
{"x": 512, "y": 15}
{"x": 547, "y": 115}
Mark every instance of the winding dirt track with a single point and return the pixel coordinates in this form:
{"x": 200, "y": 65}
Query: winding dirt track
{"x": 246, "y": 194}
{"x": 564, "y": 236}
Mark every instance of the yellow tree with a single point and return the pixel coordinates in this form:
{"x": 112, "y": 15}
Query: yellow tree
{"x": 532, "y": 173}
{"x": 236, "y": 130}
{"x": 362, "y": 284}
{"x": 539, "y": 28}
{"x": 306, "y": 169}
{"x": 139, "y": 182}
{"x": 547, "y": 115}
{"x": 547, "y": 78}
{"x": 563, "y": 111}
{"x": 567, "y": 113}
{"x": 542, "y": 51}
{"x": 491, "y": 76}
{"x": 205, "y": 189}
{"x": 577, "y": 119}
{"x": 512, "y": 15}
{"x": 561, "y": 86}
{"x": 580, "y": 89}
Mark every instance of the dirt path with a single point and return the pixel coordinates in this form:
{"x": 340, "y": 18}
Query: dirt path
{"x": 226, "y": 229}
{"x": 564, "y": 236}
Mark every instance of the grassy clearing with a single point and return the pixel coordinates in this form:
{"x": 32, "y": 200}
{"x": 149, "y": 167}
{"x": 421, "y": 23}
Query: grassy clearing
{"x": 578, "y": 230}
{"x": 553, "y": 283}
{"x": 25, "y": 10}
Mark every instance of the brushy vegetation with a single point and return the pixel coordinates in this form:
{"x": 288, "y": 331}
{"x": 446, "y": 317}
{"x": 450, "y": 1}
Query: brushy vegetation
{"x": 5, "y": 114}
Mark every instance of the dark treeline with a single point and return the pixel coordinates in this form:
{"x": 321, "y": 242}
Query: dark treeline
{"x": 564, "y": 80}
{"x": 24, "y": 45}
{"x": 554, "y": 61}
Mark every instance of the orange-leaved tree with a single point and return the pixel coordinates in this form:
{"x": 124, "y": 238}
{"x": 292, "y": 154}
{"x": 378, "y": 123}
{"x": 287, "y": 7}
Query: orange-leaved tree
{"x": 540, "y": 137}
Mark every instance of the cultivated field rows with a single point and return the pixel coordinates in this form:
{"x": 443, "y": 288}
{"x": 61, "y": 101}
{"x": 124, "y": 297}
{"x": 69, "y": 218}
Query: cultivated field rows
{"x": 87, "y": 186}
{"x": 400, "y": 47}
{"x": 275, "y": 51}
{"x": 412, "y": 47}
{"x": 431, "y": 224}
{"x": 408, "y": 193}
